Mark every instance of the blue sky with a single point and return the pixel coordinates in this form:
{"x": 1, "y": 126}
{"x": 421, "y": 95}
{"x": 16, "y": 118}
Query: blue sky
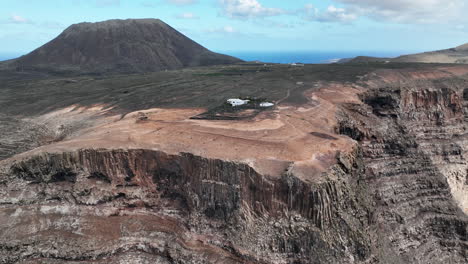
{"x": 255, "y": 25}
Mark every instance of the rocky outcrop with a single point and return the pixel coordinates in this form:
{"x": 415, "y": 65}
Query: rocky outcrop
{"x": 411, "y": 132}
{"x": 183, "y": 208}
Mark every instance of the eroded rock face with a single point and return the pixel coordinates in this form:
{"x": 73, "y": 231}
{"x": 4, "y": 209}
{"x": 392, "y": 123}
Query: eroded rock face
{"x": 104, "y": 205}
{"x": 412, "y": 134}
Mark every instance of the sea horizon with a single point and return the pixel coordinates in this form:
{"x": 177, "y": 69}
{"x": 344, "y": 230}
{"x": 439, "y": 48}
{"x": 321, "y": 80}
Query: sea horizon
{"x": 312, "y": 57}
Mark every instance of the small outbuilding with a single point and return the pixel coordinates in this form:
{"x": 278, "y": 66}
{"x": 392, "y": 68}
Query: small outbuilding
{"x": 237, "y": 102}
{"x": 266, "y": 104}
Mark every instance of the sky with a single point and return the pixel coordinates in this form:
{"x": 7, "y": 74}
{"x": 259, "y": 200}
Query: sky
{"x": 254, "y": 25}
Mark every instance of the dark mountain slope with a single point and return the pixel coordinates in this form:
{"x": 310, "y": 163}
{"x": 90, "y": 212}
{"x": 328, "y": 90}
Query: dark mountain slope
{"x": 454, "y": 55}
{"x": 141, "y": 45}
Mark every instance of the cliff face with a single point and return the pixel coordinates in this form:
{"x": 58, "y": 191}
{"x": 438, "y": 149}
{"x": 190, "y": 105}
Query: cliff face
{"x": 412, "y": 134}
{"x": 105, "y": 205}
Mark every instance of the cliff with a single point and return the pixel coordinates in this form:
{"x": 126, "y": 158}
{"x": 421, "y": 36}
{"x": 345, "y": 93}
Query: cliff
{"x": 105, "y": 205}
{"x": 411, "y": 132}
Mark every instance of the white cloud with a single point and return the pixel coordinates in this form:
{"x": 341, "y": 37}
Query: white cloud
{"x": 181, "y": 2}
{"x": 276, "y": 24}
{"x": 337, "y": 14}
{"x": 187, "y": 16}
{"x": 18, "y": 19}
{"x": 223, "y": 30}
{"x": 242, "y": 9}
{"x": 332, "y": 14}
{"x": 409, "y": 11}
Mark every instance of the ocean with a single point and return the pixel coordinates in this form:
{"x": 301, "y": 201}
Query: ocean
{"x": 286, "y": 56}
{"x": 308, "y": 56}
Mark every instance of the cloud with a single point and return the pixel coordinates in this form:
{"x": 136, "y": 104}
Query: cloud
{"x": 332, "y": 14}
{"x": 275, "y": 24}
{"x": 242, "y": 9}
{"x": 409, "y": 11}
{"x": 181, "y": 2}
{"x": 16, "y": 19}
{"x": 187, "y": 16}
{"x": 223, "y": 30}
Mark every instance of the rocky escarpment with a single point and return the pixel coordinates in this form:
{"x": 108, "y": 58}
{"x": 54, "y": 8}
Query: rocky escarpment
{"x": 412, "y": 132}
{"x": 108, "y": 205}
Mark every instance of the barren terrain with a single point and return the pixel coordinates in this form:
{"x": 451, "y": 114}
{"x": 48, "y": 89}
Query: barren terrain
{"x": 353, "y": 164}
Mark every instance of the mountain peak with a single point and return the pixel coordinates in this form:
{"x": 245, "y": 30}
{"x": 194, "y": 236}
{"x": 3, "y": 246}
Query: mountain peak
{"x": 116, "y": 23}
{"x": 131, "y": 45}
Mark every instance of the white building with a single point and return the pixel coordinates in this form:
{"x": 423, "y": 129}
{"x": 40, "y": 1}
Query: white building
{"x": 266, "y": 104}
{"x": 237, "y": 102}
